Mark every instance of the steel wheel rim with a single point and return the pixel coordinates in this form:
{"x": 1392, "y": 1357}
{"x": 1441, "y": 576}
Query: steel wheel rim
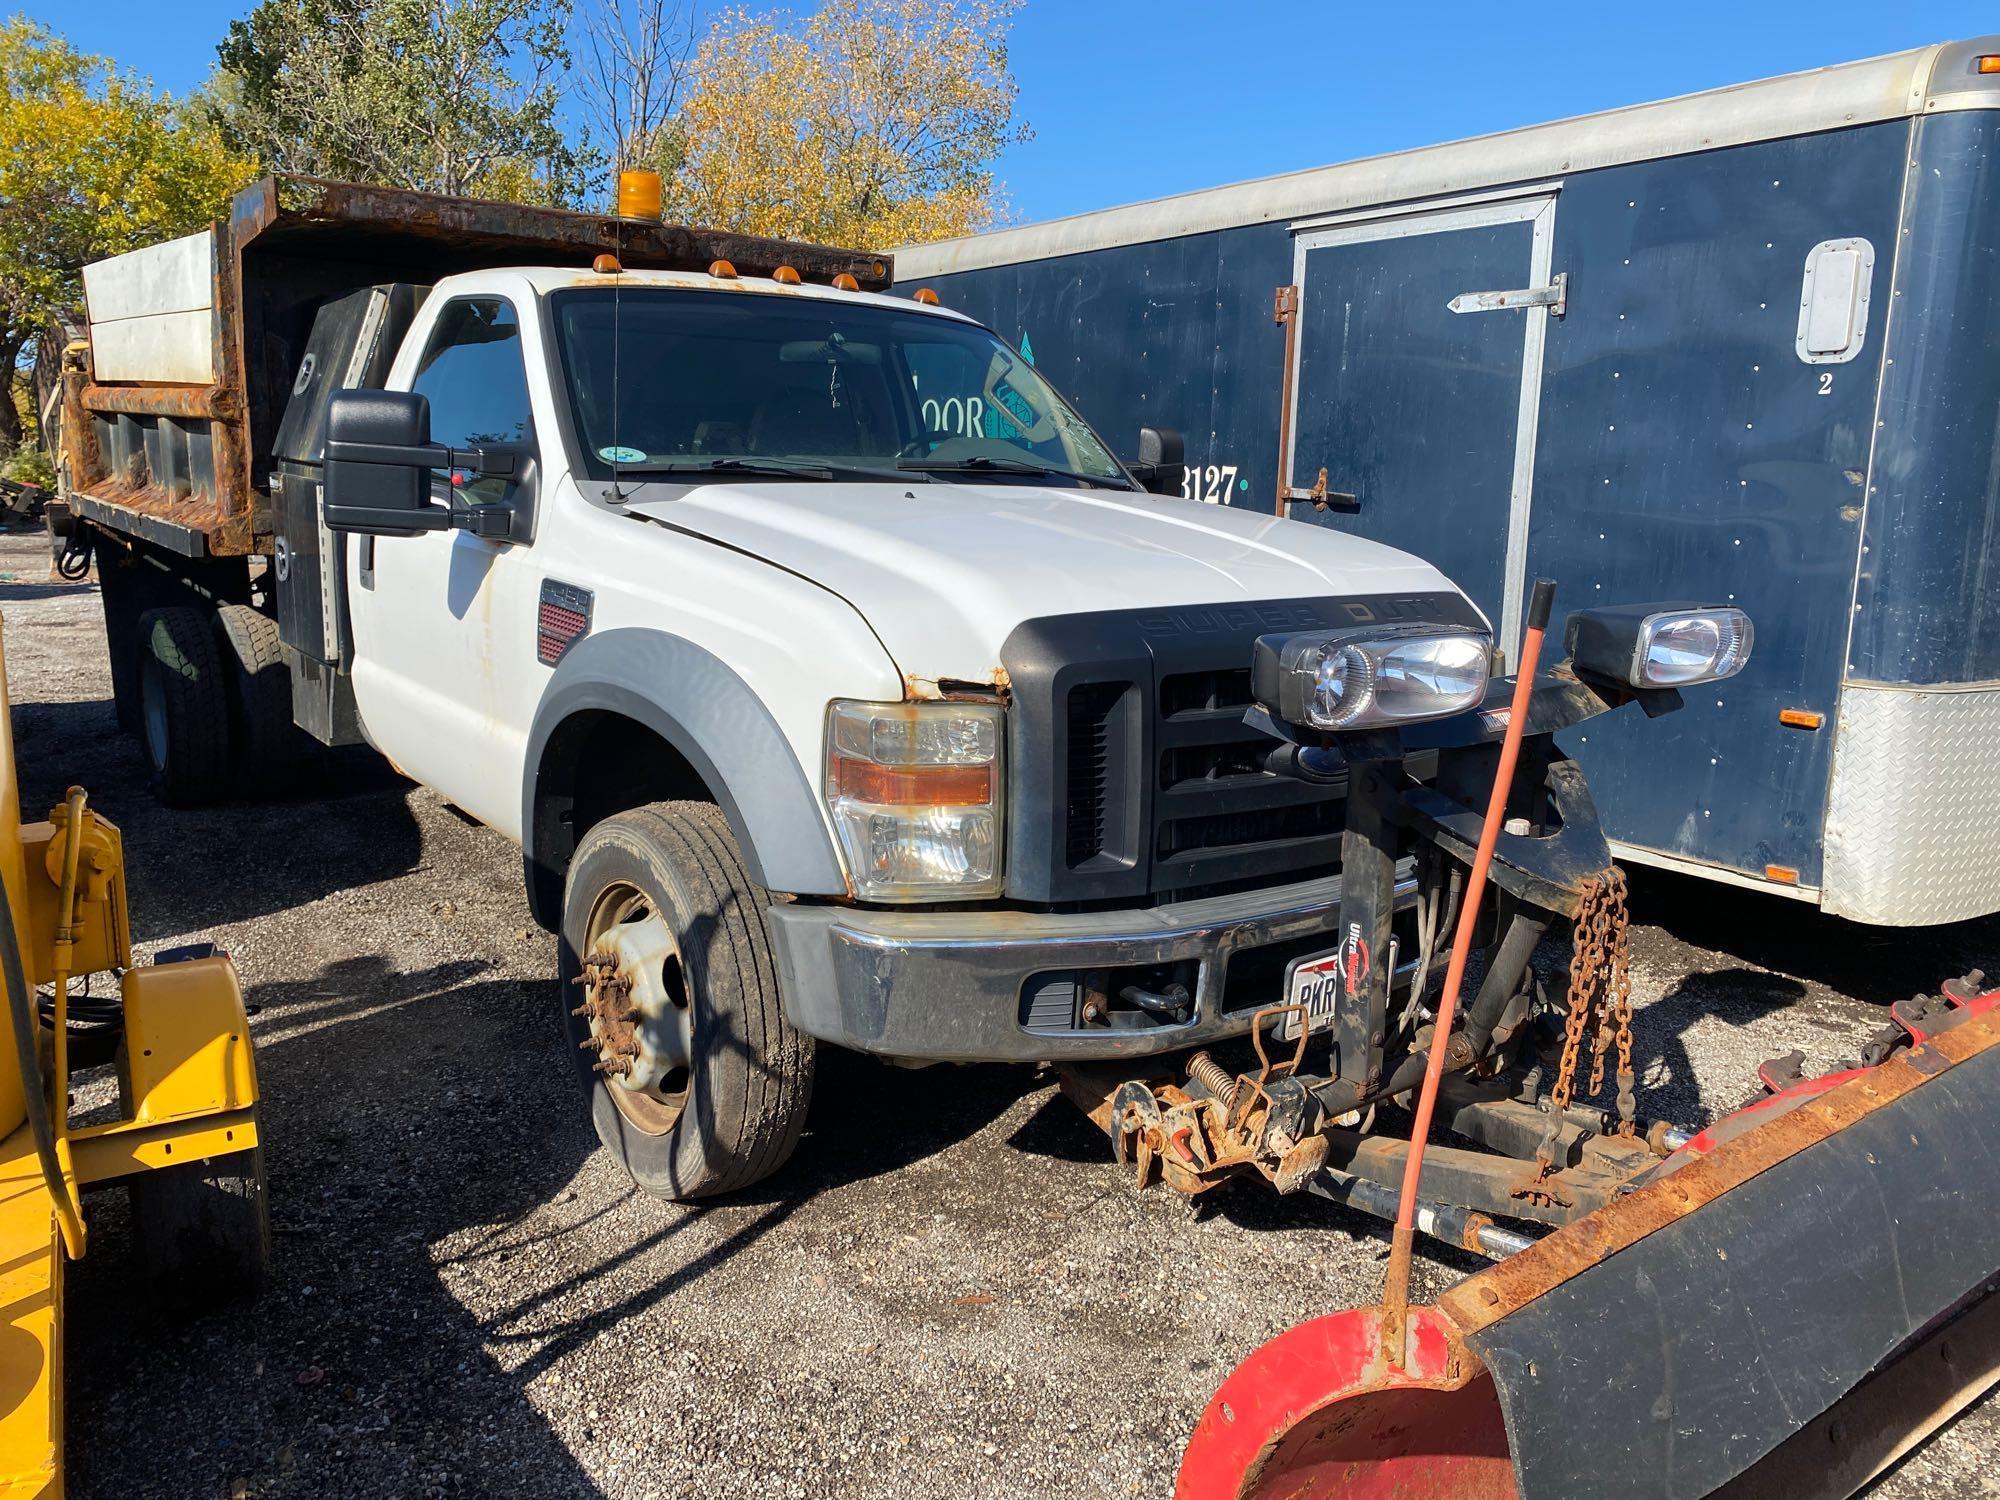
{"x": 636, "y": 1006}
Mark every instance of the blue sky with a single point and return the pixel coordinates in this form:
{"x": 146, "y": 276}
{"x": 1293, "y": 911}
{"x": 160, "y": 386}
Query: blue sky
{"x": 1131, "y": 99}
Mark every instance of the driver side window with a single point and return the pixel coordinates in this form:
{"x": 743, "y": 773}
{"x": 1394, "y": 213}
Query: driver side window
{"x": 476, "y": 377}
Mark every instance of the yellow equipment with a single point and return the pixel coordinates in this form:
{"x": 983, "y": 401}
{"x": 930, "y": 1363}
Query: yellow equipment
{"x": 185, "y": 1141}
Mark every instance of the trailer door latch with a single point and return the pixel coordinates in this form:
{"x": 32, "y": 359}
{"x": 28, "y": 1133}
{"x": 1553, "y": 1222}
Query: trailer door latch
{"x": 1554, "y": 296}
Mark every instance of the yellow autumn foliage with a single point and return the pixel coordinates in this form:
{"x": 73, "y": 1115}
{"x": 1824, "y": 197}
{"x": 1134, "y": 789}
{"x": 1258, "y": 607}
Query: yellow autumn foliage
{"x": 92, "y": 161}
{"x": 870, "y": 123}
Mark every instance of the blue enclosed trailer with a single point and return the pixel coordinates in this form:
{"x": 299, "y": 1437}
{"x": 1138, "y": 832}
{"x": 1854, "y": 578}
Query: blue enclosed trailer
{"x": 1741, "y": 347}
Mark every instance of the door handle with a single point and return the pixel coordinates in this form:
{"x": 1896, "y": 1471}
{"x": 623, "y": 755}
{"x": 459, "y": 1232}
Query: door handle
{"x": 1554, "y": 296}
{"x": 1322, "y": 497}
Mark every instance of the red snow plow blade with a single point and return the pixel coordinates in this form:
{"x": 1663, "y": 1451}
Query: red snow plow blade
{"x": 1784, "y": 1306}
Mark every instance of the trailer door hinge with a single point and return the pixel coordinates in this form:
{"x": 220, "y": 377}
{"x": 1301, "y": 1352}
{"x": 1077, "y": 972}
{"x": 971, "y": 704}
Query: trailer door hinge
{"x": 1286, "y": 304}
{"x": 1554, "y": 296}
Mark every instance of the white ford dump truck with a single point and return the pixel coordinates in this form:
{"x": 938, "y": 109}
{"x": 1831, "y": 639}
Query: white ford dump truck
{"x": 835, "y": 679}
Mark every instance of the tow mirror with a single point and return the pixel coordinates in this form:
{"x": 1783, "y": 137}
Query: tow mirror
{"x": 1162, "y": 463}
{"x": 379, "y": 462}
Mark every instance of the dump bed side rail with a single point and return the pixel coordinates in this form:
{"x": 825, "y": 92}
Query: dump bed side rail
{"x": 168, "y": 436}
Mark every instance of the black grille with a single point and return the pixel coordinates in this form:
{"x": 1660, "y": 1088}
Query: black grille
{"x": 1219, "y": 815}
{"x": 1089, "y": 768}
{"x": 1193, "y": 692}
{"x": 1131, "y": 773}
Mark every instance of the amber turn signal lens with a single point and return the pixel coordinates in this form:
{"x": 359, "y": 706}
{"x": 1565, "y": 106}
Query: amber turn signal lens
{"x": 1990, "y": 63}
{"x": 638, "y": 194}
{"x": 912, "y": 786}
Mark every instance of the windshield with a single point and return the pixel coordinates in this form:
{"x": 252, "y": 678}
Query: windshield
{"x": 668, "y": 381}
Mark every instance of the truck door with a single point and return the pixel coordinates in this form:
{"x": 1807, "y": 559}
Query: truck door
{"x": 444, "y": 622}
{"x": 1416, "y": 354}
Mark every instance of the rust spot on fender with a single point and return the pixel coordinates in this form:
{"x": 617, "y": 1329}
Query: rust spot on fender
{"x": 984, "y": 689}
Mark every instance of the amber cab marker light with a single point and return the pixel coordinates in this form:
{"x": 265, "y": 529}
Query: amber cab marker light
{"x": 606, "y": 265}
{"x": 638, "y": 194}
{"x": 1990, "y": 63}
{"x": 926, "y": 296}
{"x": 722, "y": 270}
{"x": 786, "y": 276}
{"x": 845, "y": 282}
{"x": 1800, "y": 718}
{"x": 1782, "y": 874}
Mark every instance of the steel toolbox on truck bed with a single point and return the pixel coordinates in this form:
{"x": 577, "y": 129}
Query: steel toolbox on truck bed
{"x": 196, "y": 344}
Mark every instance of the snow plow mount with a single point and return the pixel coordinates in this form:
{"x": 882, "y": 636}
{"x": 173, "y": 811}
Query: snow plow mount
{"x": 1782, "y": 1302}
{"x": 1194, "y": 1122}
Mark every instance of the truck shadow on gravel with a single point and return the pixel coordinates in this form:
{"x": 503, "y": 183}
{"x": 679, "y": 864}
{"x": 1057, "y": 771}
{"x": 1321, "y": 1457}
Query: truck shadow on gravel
{"x": 350, "y": 825}
{"x": 398, "y": 1110}
{"x": 430, "y": 1161}
{"x": 867, "y": 1121}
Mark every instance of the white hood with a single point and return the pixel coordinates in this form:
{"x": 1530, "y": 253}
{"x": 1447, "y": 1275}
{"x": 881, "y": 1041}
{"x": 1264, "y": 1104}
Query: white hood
{"x": 944, "y": 572}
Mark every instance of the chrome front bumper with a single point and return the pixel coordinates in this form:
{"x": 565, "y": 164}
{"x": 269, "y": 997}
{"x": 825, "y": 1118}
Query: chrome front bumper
{"x": 950, "y": 985}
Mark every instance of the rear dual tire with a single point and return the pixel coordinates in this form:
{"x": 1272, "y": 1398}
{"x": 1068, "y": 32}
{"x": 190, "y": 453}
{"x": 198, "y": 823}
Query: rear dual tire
{"x": 215, "y": 705}
{"x": 183, "y": 707}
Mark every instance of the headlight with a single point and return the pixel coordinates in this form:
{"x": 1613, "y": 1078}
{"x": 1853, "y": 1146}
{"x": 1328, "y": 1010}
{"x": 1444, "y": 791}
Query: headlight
{"x": 1359, "y": 680}
{"x": 1660, "y": 645}
{"x": 915, "y": 793}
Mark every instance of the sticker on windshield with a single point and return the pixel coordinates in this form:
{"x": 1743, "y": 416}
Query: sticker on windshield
{"x": 617, "y": 455}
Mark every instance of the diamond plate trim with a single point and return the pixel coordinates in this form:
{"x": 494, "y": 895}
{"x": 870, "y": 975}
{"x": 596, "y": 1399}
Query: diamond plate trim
{"x": 1913, "y": 810}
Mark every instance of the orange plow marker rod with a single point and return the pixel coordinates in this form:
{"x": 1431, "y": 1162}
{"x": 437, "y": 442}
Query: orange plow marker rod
{"x": 1396, "y": 1285}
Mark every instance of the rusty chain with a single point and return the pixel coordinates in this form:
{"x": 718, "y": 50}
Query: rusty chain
{"x": 1600, "y": 1008}
{"x": 1621, "y": 1006}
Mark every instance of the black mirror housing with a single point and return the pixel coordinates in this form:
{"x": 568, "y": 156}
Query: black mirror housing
{"x": 379, "y": 458}
{"x": 1162, "y": 462}
{"x": 379, "y": 466}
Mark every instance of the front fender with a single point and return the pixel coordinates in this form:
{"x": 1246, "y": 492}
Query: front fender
{"x": 696, "y": 703}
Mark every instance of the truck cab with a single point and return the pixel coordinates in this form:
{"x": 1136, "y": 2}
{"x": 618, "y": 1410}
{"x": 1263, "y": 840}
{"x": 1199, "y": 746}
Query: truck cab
{"x": 836, "y": 680}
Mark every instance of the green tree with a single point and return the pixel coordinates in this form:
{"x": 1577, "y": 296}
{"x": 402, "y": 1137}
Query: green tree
{"x": 92, "y": 161}
{"x": 871, "y": 122}
{"x": 446, "y": 96}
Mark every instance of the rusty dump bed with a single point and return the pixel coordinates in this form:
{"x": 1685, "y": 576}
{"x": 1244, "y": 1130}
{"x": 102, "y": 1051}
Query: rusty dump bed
{"x": 184, "y": 462}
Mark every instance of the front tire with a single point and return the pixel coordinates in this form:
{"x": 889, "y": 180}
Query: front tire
{"x": 697, "y": 1083}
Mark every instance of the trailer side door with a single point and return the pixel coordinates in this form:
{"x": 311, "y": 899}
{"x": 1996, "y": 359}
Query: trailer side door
{"x": 1413, "y": 402}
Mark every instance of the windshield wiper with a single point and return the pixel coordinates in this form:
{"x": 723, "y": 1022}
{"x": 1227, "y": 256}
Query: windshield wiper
{"x": 765, "y": 468}
{"x": 983, "y": 464}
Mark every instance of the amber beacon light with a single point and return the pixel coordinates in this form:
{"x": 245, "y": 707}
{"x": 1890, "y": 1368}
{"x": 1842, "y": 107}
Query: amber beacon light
{"x": 638, "y": 194}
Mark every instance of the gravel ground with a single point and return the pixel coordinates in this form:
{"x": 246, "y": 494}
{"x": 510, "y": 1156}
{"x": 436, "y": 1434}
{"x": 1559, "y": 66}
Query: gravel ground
{"x": 950, "y": 1291}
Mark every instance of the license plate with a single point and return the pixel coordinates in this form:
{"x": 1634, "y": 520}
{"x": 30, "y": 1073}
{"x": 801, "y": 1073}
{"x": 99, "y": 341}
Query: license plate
{"x": 1313, "y": 982}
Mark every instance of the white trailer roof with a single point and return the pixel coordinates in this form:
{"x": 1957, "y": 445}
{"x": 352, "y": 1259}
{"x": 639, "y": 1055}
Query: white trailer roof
{"x": 1925, "y": 80}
